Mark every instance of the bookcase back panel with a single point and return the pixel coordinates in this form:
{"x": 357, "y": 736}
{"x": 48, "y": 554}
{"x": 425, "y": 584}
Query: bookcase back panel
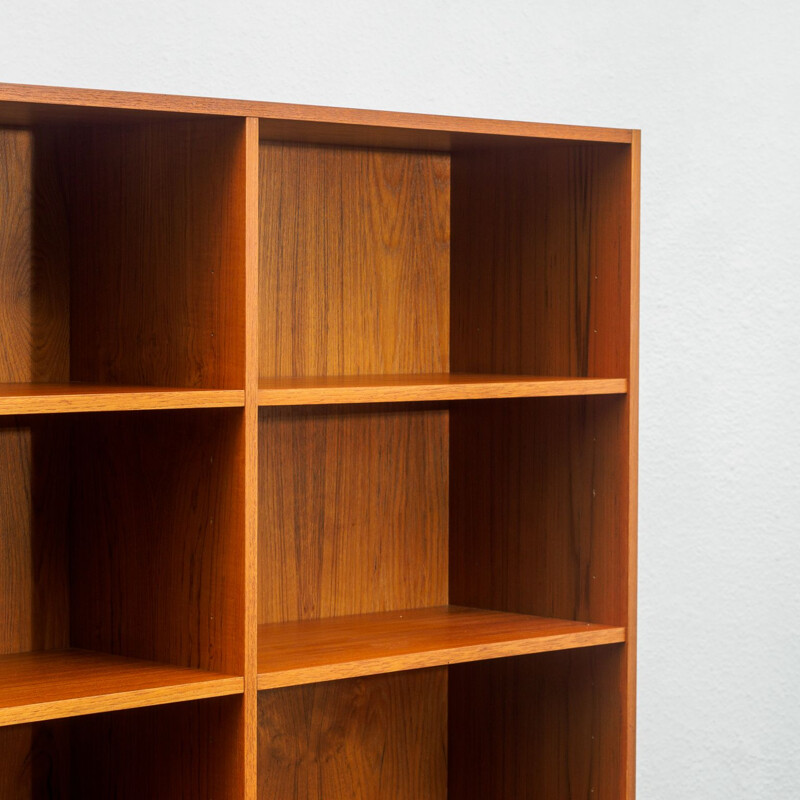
{"x": 121, "y": 253}
{"x": 182, "y": 750}
{"x": 34, "y": 272}
{"x": 544, "y": 726}
{"x": 353, "y": 510}
{"x": 541, "y": 260}
{"x": 34, "y": 761}
{"x": 157, "y": 250}
{"x": 383, "y": 736}
{"x": 539, "y": 520}
{"x": 156, "y": 553}
{"x": 354, "y": 260}
{"x": 34, "y": 567}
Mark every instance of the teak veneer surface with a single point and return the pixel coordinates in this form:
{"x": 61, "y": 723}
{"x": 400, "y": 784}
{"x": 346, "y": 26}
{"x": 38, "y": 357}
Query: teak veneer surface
{"x": 354, "y": 261}
{"x": 352, "y": 510}
{"x": 49, "y": 684}
{"x": 321, "y": 390}
{"x": 63, "y": 398}
{"x": 382, "y": 736}
{"x": 438, "y": 318}
{"x": 23, "y": 105}
{"x": 310, "y": 651}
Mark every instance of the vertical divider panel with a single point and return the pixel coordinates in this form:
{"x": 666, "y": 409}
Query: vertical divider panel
{"x": 251, "y": 457}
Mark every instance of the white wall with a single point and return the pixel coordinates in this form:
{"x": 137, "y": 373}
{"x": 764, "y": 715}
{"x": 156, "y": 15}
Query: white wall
{"x": 715, "y": 86}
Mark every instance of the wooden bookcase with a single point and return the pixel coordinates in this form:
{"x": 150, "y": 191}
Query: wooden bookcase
{"x": 318, "y": 452}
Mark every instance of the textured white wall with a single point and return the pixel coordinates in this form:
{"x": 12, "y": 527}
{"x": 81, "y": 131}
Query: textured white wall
{"x": 715, "y": 86}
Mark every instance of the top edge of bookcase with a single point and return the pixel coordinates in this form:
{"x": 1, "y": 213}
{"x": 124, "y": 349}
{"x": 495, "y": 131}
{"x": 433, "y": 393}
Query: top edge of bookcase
{"x": 22, "y": 104}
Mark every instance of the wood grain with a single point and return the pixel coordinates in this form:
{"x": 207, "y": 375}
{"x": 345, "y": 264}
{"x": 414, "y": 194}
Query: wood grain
{"x": 184, "y": 750}
{"x": 156, "y": 252}
{"x": 324, "y": 390}
{"x": 34, "y": 761}
{"x": 311, "y": 651}
{"x": 354, "y": 261}
{"x": 23, "y": 104}
{"x": 352, "y": 510}
{"x": 34, "y": 504}
{"x": 541, "y": 261}
{"x": 543, "y": 726}
{"x": 50, "y": 684}
{"x": 157, "y": 556}
{"x": 34, "y": 276}
{"x": 538, "y": 522}
{"x": 379, "y": 737}
{"x": 251, "y": 447}
{"x": 67, "y": 398}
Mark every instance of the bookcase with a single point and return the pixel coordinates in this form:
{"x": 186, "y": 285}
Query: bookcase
{"x": 318, "y": 452}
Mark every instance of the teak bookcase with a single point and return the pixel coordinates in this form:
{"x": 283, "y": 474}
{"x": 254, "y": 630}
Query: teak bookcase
{"x": 318, "y": 450}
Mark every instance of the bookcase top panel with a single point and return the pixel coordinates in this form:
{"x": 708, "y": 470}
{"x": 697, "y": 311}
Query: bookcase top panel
{"x": 25, "y": 105}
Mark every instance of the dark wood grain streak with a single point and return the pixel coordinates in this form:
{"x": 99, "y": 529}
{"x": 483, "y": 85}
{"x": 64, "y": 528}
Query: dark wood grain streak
{"x": 543, "y": 726}
{"x": 372, "y": 738}
{"x": 354, "y": 261}
{"x": 157, "y": 551}
{"x": 541, "y": 261}
{"x": 35, "y": 761}
{"x": 352, "y": 511}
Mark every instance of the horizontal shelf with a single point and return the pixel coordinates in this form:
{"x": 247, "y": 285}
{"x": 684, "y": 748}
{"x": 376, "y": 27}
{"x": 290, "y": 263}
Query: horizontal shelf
{"x": 323, "y": 390}
{"x": 51, "y": 684}
{"x": 63, "y": 398}
{"x": 293, "y": 653}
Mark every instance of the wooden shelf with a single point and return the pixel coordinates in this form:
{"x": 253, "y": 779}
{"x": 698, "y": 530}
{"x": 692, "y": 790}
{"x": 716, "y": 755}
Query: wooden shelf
{"x": 293, "y": 653}
{"x": 323, "y": 390}
{"x": 51, "y": 684}
{"x": 55, "y": 398}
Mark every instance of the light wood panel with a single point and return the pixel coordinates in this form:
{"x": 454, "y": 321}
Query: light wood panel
{"x": 543, "y": 726}
{"x": 541, "y": 261}
{"x": 354, "y": 261}
{"x": 22, "y": 104}
{"x": 352, "y": 510}
{"x": 310, "y": 651}
{"x": 50, "y": 684}
{"x": 156, "y": 229}
{"x": 63, "y": 398}
{"x": 538, "y": 507}
{"x": 157, "y": 556}
{"x": 377, "y": 737}
{"x": 321, "y": 390}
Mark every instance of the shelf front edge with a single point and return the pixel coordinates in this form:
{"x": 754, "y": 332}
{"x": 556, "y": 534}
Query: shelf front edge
{"x": 440, "y": 657}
